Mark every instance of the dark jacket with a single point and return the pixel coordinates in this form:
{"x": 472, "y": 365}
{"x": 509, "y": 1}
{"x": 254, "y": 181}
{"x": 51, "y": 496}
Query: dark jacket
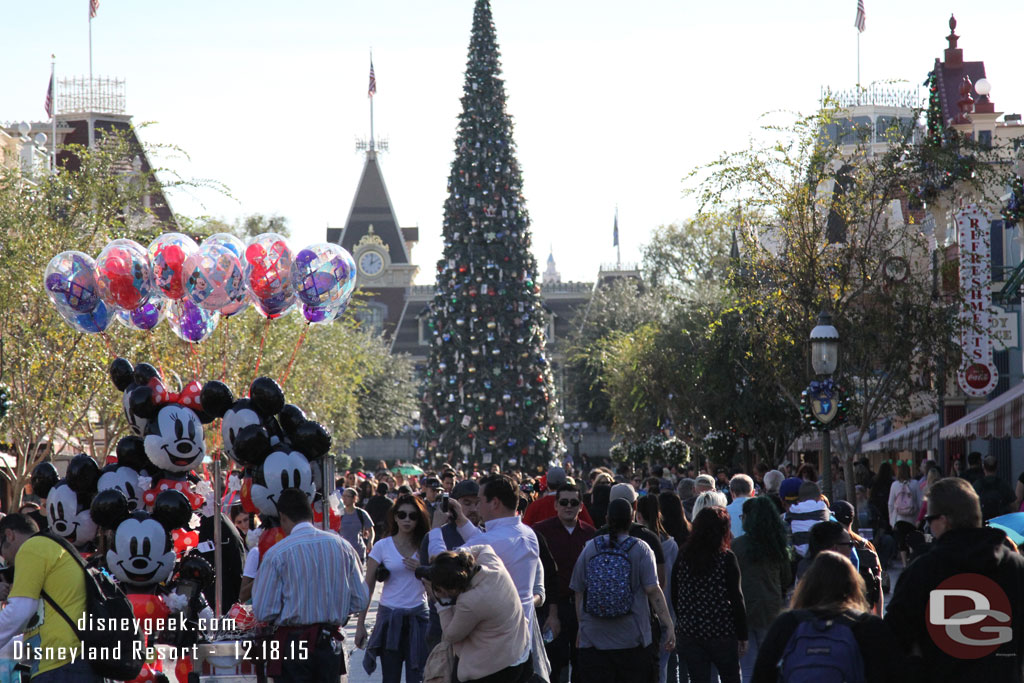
{"x": 956, "y": 553}
{"x": 764, "y": 584}
{"x": 883, "y": 662}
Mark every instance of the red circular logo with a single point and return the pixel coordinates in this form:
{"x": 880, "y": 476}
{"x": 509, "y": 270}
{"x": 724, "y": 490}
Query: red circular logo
{"x": 978, "y": 376}
{"x": 968, "y": 616}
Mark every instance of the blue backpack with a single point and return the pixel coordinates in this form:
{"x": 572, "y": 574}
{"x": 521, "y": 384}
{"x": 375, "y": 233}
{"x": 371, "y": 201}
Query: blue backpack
{"x": 822, "y": 651}
{"x": 609, "y": 572}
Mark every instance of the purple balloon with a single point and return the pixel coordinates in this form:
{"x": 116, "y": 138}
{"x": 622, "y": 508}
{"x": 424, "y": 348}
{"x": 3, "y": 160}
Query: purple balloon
{"x": 191, "y": 322}
{"x": 147, "y": 316}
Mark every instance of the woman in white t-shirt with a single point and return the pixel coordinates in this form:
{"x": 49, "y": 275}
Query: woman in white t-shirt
{"x": 400, "y": 632}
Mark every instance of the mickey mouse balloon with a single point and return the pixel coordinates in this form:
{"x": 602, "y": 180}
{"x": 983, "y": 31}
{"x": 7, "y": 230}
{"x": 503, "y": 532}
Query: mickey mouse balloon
{"x": 124, "y": 274}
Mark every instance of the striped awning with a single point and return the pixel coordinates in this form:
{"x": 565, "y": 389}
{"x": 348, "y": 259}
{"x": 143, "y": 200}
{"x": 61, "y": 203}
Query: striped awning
{"x": 812, "y": 441}
{"x": 919, "y": 435}
{"x": 1002, "y": 416}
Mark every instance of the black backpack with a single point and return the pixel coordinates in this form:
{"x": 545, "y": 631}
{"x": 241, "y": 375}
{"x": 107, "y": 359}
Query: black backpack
{"x": 990, "y": 495}
{"x": 106, "y": 604}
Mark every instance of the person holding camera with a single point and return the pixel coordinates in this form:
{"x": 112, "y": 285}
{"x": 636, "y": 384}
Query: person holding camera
{"x": 481, "y": 616}
{"x": 400, "y": 633}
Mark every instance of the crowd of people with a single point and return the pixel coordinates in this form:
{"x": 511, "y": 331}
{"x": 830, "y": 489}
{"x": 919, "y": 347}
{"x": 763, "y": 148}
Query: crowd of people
{"x": 674, "y": 574}
{"x": 657, "y": 575}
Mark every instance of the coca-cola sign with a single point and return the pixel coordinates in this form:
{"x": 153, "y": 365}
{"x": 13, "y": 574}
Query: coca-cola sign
{"x": 977, "y": 375}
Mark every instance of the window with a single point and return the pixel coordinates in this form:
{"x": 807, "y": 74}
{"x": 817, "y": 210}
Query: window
{"x": 372, "y": 317}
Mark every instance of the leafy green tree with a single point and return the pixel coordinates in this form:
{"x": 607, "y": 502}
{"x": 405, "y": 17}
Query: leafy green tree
{"x": 831, "y": 218}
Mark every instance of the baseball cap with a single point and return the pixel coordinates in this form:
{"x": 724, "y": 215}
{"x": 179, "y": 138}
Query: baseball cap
{"x": 556, "y": 477}
{"x": 789, "y": 489}
{"x": 843, "y": 511}
{"x": 431, "y": 483}
{"x": 624, "y": 491}
{"x": 465, "y": 488}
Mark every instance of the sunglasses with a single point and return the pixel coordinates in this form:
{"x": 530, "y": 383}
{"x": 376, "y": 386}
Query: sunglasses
{"x": 569, "y": 502}
{"x": 400, "y": 514}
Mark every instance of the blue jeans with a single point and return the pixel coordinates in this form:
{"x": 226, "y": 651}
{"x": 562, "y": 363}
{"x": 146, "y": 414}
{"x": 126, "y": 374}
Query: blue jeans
{"x": 391, "y": 662}
{"x": 78, "y": 671}
{"x": 701, "y": 654}
{"x": 755, "y": 636}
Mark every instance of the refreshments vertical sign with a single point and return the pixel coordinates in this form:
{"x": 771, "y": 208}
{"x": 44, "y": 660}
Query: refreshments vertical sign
{"x": 977, "y": 375}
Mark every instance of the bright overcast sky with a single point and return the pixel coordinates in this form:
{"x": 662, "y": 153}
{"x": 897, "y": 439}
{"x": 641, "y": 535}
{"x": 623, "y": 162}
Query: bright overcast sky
{"x": 613, "y": 102}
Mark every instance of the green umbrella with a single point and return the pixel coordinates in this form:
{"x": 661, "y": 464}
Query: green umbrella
{"x": 409, "y": 470}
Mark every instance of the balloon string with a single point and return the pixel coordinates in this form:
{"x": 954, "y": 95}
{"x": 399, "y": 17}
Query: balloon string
{"x": 263, "y": 341}
{"x": 224, "y": 350}
{"x": 295, "y": 352}
{"x": 110, "y": 347}
{"x": 152, "y": 352}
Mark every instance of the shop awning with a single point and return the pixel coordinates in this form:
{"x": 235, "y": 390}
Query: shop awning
{"x": 1000, "y": 417}
{"x": 812, "y": 441}
{"x": 920, "y": 435}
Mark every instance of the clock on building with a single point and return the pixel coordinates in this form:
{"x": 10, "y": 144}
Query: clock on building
{"x": 371, "y": 263}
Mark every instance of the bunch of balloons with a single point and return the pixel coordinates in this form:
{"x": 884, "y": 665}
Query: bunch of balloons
{"x": 193, "y": 285}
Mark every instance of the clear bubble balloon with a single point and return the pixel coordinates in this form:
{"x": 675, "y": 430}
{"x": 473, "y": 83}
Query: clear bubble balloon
{"x": 70, "y": 281}
{"x": 226, "y": 239}
{"x": 145, "y": 317}
{"x": 213, "y": 277}
{"x": 323, "y": 273}
{"x": 124, "y": 274}
{"x": 167, "y": 253}
{"x": 94, "y": 322}
{"x": 268, "y": 267}
{"x": 190, "y": 322}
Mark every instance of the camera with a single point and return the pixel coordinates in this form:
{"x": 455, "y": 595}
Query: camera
{"x": 423, "y": 572}
{"x": 382, "y": 573}
{"x": 444, "y": 502}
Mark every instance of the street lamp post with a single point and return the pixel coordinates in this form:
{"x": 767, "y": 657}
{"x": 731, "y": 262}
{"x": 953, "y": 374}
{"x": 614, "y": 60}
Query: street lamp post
{"x": 824, "y": 359}
{"x": 577, "y": 436}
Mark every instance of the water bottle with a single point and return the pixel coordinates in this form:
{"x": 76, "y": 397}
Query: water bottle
{"x": 548, "y": 635}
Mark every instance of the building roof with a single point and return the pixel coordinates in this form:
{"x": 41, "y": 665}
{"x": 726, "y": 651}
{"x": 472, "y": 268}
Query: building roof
{"x": 950, "y": 72}
{"x": 372, "y": 207}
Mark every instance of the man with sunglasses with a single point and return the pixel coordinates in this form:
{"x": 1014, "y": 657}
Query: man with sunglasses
{"x": 544, "y": 507}
{"x": 566, "y": 535}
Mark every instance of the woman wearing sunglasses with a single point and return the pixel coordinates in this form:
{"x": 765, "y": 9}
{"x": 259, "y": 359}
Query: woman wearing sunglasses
{"x": 399, "y": 635}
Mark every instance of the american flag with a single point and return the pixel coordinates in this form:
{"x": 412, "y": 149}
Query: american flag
{"x": 859, "y": 21}
{"x": 49, "y": 98}
{"x": 93, "y": 6}
{"x": 373, "y": 82}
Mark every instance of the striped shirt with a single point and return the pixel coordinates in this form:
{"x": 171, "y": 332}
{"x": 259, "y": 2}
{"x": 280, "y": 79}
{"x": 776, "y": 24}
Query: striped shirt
{"x": 309, "y": 577}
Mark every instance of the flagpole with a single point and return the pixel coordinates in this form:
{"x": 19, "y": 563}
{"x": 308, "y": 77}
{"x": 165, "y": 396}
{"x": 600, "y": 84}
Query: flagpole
{"x": 858, "y": 67}
{"x": 92, "y": 133}
{"x": 372, "y": 103}
{"x": 53, "y": 114}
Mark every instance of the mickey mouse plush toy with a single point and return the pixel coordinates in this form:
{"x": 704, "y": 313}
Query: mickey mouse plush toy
{"x": 142, "y": 558}
{"x": 67, "y": 504}
{"x": 273, "y": 441}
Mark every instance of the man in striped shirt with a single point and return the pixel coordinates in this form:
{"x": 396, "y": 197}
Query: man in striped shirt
{"x": 308, "y": 585}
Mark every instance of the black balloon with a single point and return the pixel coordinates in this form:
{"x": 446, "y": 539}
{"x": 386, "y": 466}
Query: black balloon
{"x": 131, "y": 451}
{"x": 44, "y": 478}
{"x": 311, "y": 439}
{"x": 109, "y": 508}
{"x": 140, "y": 402}
{"x": 252, "y": 445}
{"x": 291, "y": 417}
{"x": 145, "y": 372}
{"x": 195, "y": 568}
{"x": 121, "y": 373}
{"x": 216, "y": 398}
{"x": 172, "y": 509}
{"x": 82, "y": 475}
{"x": 266, "y": 395}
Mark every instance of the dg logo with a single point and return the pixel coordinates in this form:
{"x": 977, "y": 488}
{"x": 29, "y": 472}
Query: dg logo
{"x": 969, "y": 616}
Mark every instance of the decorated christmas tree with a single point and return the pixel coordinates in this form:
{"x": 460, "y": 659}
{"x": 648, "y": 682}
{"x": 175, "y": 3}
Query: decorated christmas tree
{"x": 489, "y": 394}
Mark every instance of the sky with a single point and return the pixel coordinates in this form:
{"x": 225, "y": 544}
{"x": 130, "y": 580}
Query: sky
{"x": 613, "y": 102}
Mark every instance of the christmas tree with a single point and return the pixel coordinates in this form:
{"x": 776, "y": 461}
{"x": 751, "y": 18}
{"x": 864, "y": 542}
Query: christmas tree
{"x": 489, "y": 393}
